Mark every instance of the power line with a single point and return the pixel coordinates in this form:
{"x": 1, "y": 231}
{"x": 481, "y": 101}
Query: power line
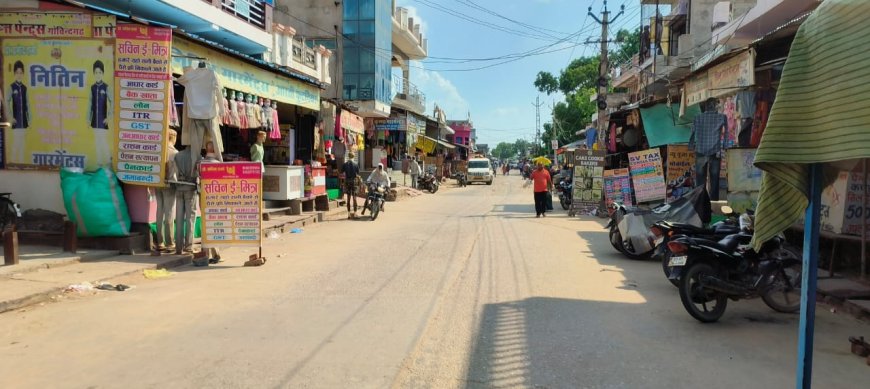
{"x": 453, "y": 12}
{"x": 543, "y": 30}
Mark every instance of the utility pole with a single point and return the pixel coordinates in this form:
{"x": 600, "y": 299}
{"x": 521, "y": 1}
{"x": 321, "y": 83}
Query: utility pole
{"x": 537, "y": 105}
{"x": 605, "y": 22}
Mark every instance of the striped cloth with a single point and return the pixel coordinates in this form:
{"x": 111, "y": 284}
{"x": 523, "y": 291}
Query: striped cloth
{"x": 821, "y": 113}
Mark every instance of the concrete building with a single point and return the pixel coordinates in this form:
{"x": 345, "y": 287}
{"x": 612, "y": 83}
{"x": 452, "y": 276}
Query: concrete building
{"x": 376, "y": 36}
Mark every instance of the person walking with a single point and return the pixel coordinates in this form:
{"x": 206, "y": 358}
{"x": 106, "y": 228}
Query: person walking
{"x": 415, "y": 172}
{"x": 166, "y": 199}
{"x": 351, "y": 174}
{"x": 542, "y": 183}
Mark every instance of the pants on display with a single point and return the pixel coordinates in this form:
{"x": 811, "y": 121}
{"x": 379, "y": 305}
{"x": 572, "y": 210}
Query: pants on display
{"x": 102, "y": 146}
{"x": 414, "y": 181}
{"x": 199, "y": 129}
{"x": 744, "y": 137}
{"x": 165, "y": 216}
{"x": 540, "y": 203}
{"x": 185, "y": 216}
{"x": 703, "y": 165}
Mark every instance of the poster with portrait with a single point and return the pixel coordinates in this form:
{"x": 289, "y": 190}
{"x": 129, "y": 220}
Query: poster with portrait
{"x": 588, "y": 178}
{"x": 680, "y": 171}
{"x": 58, "y": 94}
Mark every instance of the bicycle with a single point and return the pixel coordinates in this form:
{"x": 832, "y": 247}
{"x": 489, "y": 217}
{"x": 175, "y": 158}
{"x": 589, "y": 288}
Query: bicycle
{"x": 10, "y": 211}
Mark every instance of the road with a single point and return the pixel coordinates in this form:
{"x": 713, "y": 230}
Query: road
{"x": 463, "y": 288}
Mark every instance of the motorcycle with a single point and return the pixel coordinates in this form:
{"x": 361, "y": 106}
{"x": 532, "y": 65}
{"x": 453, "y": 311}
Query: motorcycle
{"x": 374, "y": 200}
{"x": 712, "y": 272}
{"x": 10, "y": 211}
{"x": 665, "y": 230}
{"x": 460, "y": 178}
{"x": 566, "y": 194}
{"x": 428, "y": 181}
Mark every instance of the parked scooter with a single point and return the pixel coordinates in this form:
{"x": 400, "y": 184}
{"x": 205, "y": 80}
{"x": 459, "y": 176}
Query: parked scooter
{"x": 428, "y": 181}
{"x": 711, "y": 272}
{"x": 461, "y": 178}
{"x": 374, "y": 200}
{"x": 566, "y": 195}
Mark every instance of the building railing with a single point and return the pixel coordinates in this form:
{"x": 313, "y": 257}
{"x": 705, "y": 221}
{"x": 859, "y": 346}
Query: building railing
{"x": 304, "y": 54}
{"x": 251, "y": 11}
{"x": 413, "y": 94}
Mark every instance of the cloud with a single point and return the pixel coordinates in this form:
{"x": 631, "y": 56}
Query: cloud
{"x": 413, "y": 13}
{"x": 439, "y": 90}
{"x": 506, "y": 111}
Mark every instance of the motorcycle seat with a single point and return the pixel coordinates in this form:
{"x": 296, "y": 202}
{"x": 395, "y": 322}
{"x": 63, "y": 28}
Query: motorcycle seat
{"x": 729, "y": 243}
{"x": 686, "y": 228}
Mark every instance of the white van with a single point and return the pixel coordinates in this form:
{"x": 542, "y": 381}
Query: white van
{"x": 480, "y": 170}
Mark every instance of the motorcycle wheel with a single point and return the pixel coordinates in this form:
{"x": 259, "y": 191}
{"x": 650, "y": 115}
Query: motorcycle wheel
{"x": 620, "y": 245}
{"x": 665, "y": 259}
{"x": 784, "y": 293}
{"x": 433, "y": 187}
{"x": 697, "y": 299}
{"x": 565, "y": 203}
{"x": 376, "y": 209}
{"x": 616, "y": 239}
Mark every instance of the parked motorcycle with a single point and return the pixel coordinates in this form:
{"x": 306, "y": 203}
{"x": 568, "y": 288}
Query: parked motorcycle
{"x": 461, "y": 178}
{"x": 665, "y": 230}
{"x": 566, "y": 194}
{"x": 428, "y": 181}
{"x": 374, "y": 200}
{"x": 711, "y": 272}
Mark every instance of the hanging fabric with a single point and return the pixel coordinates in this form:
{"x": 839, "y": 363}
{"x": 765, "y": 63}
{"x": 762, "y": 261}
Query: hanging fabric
{"x": 173, "y": 111}
{"x": 276, "y": 128}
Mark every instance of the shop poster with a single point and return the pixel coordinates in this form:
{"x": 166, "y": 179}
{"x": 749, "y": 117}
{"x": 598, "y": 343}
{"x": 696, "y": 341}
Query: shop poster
{"x": 680, "y": 171}
{"x": 230, "y": 199}
{"x": 142, "y": 82}
{"x": 743, "y": 176}
{"x": 617, "y": 186}
{"x": 647, "y": 175}
{"x": 56, "y": 91}
{"x": 588, "y": 178}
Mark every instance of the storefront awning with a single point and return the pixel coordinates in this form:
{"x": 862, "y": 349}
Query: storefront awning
{"x": 445, "y": 144}
{"x": 662, "y": 125}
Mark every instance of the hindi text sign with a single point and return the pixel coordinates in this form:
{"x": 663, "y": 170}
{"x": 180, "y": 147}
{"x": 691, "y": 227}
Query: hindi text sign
{"x": 231, "y": 195}
{"x": 647, "y": 175}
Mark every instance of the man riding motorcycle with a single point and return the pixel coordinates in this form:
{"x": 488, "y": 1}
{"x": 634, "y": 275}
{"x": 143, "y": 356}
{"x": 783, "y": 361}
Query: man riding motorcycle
{"x": 378, "y": 177}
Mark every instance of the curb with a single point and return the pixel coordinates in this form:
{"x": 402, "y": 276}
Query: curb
{"x": 47, "y": 295}
{"x": 72, "y": 260}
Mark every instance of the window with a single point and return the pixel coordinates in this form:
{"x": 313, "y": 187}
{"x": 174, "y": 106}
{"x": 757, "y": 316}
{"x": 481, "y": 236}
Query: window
{"x": 478, "y": 164}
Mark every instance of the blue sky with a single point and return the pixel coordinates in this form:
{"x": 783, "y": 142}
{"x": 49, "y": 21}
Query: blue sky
{"x": 500, "y": 99}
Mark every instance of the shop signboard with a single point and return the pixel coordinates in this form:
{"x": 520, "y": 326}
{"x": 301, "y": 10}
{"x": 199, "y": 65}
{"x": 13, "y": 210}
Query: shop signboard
{"x": 680, "y": 171}
{"x": 617, "y": 186}
{"x": 45, "y": 25}
{"x": 733, "y": 74}
{"x": 588, "y": 178}
{"x": 743, "y": 176}
{"x": 352, "y": 122}
{"x": 142, "y": 82}
{"x": 697, "y": 89}
{"x": 842, "y": 209}
{"x": 231, "y": 200}
{"x": 238, "y": 75}
{"x": 56, "y": 93}
{"x": 647, "y": 175}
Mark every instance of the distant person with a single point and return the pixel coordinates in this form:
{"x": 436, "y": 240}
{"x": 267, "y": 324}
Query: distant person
{"x": 380, "y": 178}
{"x": 415, "y": 172}
{"x": 542, "y": 183}
{"x": 351, "y": 174}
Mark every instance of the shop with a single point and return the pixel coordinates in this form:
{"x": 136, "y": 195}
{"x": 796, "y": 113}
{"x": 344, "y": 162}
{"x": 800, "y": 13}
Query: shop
{"x": 343, "y": 134}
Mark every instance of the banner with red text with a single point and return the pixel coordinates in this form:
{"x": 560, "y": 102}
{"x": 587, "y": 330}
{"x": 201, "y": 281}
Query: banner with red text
{"x": 230, "y": 199}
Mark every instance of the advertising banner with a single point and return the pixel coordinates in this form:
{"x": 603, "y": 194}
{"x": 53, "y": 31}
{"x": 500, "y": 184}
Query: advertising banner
{"x": 588, "y": 178}
{"x": 230, "y": 199}
{"x": 743, "y": 176}
{"x": 142, "y": 82}
{"x": 45, "y": 25}
{"x": 58, "y": 95}
{"x": 617, "y": 186}
{"x": 680, "y": 171}
{"x": 647, "y": 175}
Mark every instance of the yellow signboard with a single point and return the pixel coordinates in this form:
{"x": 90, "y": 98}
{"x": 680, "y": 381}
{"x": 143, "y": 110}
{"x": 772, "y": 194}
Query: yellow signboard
{"x": 237, "y": 75}
{"x": 58, "y": 94}
{"x": 45, "y": 25}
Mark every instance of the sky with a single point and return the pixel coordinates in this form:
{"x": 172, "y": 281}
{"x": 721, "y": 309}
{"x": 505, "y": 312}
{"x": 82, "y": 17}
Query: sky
{"x": 500, "y": 99}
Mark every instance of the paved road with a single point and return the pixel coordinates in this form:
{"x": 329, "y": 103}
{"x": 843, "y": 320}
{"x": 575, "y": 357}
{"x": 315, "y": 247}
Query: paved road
{"x": 464, "y": 288}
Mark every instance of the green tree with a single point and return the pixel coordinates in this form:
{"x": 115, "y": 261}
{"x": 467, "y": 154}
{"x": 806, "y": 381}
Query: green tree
{"x": 504, "y": 150}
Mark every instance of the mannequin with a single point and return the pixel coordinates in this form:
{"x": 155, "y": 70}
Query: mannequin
{"x": 267, "y": 116}
{"x": 276, "y": 128}
{"x": 708, "y": 130}
{"x": 166, "y": 199}
{"x": 255, "y": 112}
{"x": 257, "y": 151}
{"x": 241, "y": 112}
{"x": 203, "y": 108}
{"x": 262, "y": 110}
{"x": 225, "y": 119}
{"x": 234, "y": 114}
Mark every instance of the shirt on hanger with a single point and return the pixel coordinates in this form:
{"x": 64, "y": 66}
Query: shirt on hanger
{"x": 202, "y": 93}
{"x": 706, "y": 133}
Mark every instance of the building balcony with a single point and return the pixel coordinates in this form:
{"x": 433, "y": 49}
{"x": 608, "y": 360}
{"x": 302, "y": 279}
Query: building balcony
{"x": 409, "y": 97}
{"x": 303, "y": 56}
{"x": 625, "y": 75}
{"x": 407, "y": 38}
{"x": 242, "y": 25}
{"x": 763, "y": 18}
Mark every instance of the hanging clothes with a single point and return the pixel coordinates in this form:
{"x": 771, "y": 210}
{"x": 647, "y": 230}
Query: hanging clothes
{"x": 256, "y": 115}
{"x": 275, "y": 132}
{"x": 173, "y": 111}
{"x": 234, "y": 120}
{"x": 249, "y": 113}
{"x": 241, "y": 111}
{"x": 730, "y": 111}
{"x": 202, "y": 102}
{"x": 226, "y": 119}
{"x": 764, "y": 101}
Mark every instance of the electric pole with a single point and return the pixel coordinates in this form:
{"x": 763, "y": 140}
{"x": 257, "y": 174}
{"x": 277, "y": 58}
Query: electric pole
{"x": 605, "y": 22}
{"x": 537, "y": 105}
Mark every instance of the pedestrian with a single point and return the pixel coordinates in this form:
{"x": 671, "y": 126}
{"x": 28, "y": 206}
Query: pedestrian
{"x": 415, "y": 172}
{"x": 542, "y": 183}
{"x": 351, "y": 176}
{"x": 166, "y": 199}
{"x": 185, "y": 202}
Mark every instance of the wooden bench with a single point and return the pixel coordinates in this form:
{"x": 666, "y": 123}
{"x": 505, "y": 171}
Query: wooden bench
{"x": 834, "y": 238}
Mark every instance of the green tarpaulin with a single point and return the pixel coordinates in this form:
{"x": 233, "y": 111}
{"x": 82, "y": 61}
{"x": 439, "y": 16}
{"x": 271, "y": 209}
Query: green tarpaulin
{"x": 664, "y": 126}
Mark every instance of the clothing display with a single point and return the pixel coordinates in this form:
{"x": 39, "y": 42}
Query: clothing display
{"x": 235, "y": 121}
{"x": 745, "y": 104}
{"x": 255, "y": 115}
{"x": 730, "y": 112}
{"x": 202, "y": 93}
{"x": 706, "y": 136}
{"x": 764, "y": 102}
{"x": 242, "y": 112}
{"x": 226, "y": 119}
{"x": 173, "y": 111}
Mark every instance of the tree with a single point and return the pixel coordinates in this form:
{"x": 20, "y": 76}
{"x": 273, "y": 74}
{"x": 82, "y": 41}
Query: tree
{"x": 504, "y": 150}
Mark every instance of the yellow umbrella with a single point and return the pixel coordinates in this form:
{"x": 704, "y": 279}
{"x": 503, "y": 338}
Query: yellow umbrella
{"x": 542, "y": 160}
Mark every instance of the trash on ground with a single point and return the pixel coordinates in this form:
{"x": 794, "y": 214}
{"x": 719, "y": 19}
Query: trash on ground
{"x": 108, "y": 286}
{"x": 156, "y": 273}
{"x": 83, "y": 287}
{"x": 296, "y": 231}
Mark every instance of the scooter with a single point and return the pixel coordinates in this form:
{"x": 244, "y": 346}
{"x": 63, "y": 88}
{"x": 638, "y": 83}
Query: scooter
{"x": 460, "y": 178}
{"x": 428, "y": 181}
{"x": 374, "y": 200}
{"x": 566, "y": 194}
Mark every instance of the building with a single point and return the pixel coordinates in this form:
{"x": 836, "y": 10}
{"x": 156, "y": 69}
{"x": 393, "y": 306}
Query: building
{"x": 257, "y": 62}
